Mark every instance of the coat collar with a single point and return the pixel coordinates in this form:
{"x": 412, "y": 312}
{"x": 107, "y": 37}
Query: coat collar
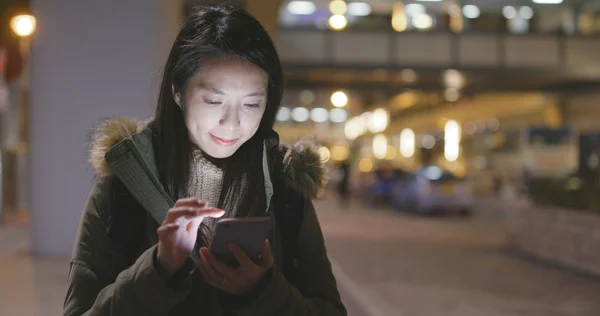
{"x": 124, "y": 148}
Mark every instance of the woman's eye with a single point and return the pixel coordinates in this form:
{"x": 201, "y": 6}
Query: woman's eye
{"x": 252, "y": 105}
{"x": 210, "y": 102}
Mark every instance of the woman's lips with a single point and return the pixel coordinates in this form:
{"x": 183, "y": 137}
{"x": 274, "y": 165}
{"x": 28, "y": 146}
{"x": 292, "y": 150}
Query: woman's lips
{"x": 223, "y": 141}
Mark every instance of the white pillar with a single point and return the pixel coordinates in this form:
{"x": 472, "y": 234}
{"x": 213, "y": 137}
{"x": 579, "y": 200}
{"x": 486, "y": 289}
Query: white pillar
{"x": 90, "y": 60}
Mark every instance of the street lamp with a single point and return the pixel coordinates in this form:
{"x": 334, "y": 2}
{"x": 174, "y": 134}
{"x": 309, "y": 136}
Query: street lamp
{"x": 23, "y": 25}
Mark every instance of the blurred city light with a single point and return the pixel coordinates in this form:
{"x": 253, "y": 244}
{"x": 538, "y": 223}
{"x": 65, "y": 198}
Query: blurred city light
{"x": 363, "y": 122}
{"x": 493, "y": 124}
{"x": 359, "y": 9}
{"x": 284, "y": 114}
{"x": 422, "y": 21}
{"x": 470, "y": 128}
{"x": 414, "y": 9}
{"x": 526, "y": 12}
{"x": 408, "y": 75}
{"x": 407, "y": 143}
{"x": 454, "y": 79}
{"x": 307, "y": 97}
{"x": 456, "y": 18}
{"x": 351, "y": 129}
{"x": 509, "y": 12}
{"x": 380, "y": 146}
{"x": 378, "y": 121}
{"x": 471, "y": 11}
{"x": 339, "y": 99}
{"x": 428, "y": 142}
{"x": 339, "y": 152}
{"x": 338, "y": 115}
{"x": 324, "y": 153}
{"x": 338, "y": 22}
{"x": 365, "y": 165}
{"x": 300, "y": 114}
{"x": 452, "y": 132}
{"x": 452, "y": 136}
{"x": 319, "y": 115}
{"x": 301, "y": 7}
{"x": 399, "y": 20}
{"x": 338, "y": 7}
{"x": 23, "y": 25}
{"x": 452, "y": 94}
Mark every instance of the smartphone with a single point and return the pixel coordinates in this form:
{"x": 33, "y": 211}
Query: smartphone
{"x": 249, "y": 233}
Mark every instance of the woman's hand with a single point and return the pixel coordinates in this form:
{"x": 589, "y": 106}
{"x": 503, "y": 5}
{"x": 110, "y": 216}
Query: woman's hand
{"x": 240, "y": 280}
{"x": 178, "y": 232}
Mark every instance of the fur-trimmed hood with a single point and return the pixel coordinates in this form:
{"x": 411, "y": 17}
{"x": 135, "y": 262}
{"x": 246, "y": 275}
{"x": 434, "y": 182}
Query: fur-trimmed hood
{"x": 303, "y": 167}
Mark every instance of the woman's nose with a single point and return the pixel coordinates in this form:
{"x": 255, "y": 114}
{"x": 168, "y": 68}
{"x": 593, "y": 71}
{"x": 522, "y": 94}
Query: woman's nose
{"x": 231, "y": 118}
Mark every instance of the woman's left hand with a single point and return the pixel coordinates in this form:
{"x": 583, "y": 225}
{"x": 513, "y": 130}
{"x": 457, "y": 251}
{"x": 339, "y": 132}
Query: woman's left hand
{"x": 236, "y": 281}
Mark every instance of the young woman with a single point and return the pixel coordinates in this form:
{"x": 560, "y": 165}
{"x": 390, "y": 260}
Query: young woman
{"x": 142, "y": 245}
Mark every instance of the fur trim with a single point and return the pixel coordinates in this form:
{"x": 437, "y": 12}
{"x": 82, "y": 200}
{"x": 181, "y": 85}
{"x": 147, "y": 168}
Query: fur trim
{"x": 108, "y": 134}
{"x": 304, "y": 170}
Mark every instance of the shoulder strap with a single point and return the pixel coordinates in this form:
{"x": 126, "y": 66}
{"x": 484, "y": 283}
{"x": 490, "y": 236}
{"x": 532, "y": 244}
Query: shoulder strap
{"x": 126, "y": 227}
{"x": 289, "y": 214}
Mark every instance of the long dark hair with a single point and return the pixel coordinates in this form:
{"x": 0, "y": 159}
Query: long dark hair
{"x": 216, "y": 31}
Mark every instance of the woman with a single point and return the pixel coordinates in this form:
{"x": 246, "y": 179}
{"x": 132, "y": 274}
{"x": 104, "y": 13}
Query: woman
{"x": 142, "y": 244}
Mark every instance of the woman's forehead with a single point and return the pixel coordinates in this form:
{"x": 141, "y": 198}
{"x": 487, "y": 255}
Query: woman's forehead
{"x": 223, "y": 74}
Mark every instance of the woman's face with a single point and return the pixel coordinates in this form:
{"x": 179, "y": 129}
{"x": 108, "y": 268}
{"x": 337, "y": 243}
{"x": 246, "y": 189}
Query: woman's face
{"x": 224, "y": 104}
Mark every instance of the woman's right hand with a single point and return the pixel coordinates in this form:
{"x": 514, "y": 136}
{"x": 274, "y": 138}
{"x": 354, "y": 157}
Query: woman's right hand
{"x": 178, "y": 232}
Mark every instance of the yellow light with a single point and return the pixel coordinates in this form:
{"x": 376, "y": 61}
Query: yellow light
{"x": 380, "y": 146}
{"x": 407, "y": 143}
{"x": 452, "y": 136}
{"x": 351, "y": 129}
{"x": 324, "y": 153}
{"x": 23, "y": 25}
{"x": 399, "y": 22}
{"x": 339, "y": 153}
{"x": 338, "y": 22}
{"x": 365, "y": 165}
{"x": 378, "y": 121}
{"x": 452, "y": 132}
{"x": 339, "y": 99}
{"x": 456, "y": 18}
{"x": 338, "y": 7}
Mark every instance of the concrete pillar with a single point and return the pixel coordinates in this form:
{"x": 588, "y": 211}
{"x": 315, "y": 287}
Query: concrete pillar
{"x": 90, "y": 60}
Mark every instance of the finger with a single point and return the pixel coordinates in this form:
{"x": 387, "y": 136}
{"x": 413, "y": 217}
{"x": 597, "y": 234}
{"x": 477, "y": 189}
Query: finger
{"x": 241, "y": 256}
{"x": 191, "y": 212}
{"x": 190, "y": 202}
{"x": 211, "y": 212}
{"x": 211, "y": 274}
{"x": 219, "y": 267}
{"x": 166, "y": 230}
{"x": 267, "y": 256}
{"x": 194, "y": 224}
{"x": 178, "y": 212}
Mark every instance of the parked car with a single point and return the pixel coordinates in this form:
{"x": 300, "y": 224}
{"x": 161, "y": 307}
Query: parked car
{"x": 380, "y": 183}
{"x": 431, "y": 189}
